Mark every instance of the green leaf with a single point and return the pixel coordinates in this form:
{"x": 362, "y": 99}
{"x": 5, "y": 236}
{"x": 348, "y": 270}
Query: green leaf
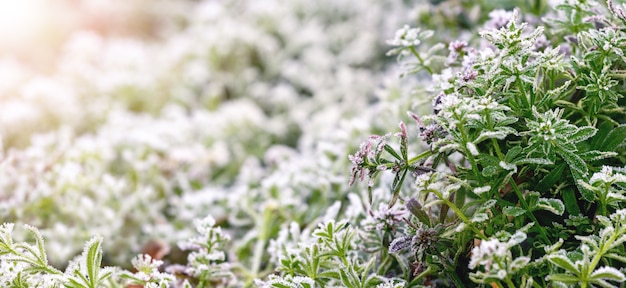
{"x": 555, "y": 206}
{"x": 347, "y": 279}
{"x": 416, "y": 209}
{"x": 330, "y": 274}
{"x": 532, "y": 197}
{"x": 40, "y": 254}
{"x": 538, "y": 161}
{"x": 512, "y": 153}
{"x": 393, "y": 153}
{"x": 574, "y": 161}
{"x": 513, "y": 211}
{"x": 581, "y": 183}
{"x": 619, "y": 241}
{"x": 615, "y": 138}
{"x": 566, "y": 104}
{"x": 490, "y": 171}
{"x": 480, "y": 217}
{"x": 583, "y": 133}
{"x": 488, "y": 160}
{"x": 93, "y": 260}
{"x": 280, "y": 285}
{"x": 499, "y": 134}
{"x": 507, "y": 121}
{"x": 570, "y": 201}
{"x": 608, "y": 273}
{"x": 597, "y": 155}
{"x": 556, "y": 92}
{"x": 563, "y": 262}
{"x": 601, "y": 136}
{"x": 589, "y": 187}
{"x": 565, "y": 278}
{"x": 616, "y": 257}
{"x": 397, "y": 185}
{"x": 549, "y": 180}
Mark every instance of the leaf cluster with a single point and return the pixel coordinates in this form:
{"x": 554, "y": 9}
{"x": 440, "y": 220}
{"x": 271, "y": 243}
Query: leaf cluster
{"x": 529, "y": 139}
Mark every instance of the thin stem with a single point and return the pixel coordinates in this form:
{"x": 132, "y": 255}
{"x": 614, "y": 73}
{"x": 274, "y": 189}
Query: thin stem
{"x": 259, "y": 247}
{"x": 522, "y": 201}
{"x": 493, "y": 140}
{"x": 598, "y": 256}
{"x": 420, "y": 276}
{"x": 603, "y": 200}
{"x": 420, "y": 156}
{"x": 509, "y": 283}
{"x": 495, "y": 144}
{"x": 385, "y": 263}
{"x": 524, "y": 97}
{"x": 419, "y": 58}
{"x": 460, "y": 214}
{"x": 469, "y": 155}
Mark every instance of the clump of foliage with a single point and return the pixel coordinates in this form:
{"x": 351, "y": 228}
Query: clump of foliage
{"x": 26, "y": 265}
{"x": 516, "y": 177}
{"x": 522, "y": 183}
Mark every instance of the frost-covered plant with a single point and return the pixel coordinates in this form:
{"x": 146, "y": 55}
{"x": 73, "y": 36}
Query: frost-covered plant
{"x": 26, "y": 265}
{"x": 582, "y": 265}
{"x": 169, "y": 124}
{"x": 493, "y": 258}
{"x": 148, "y": 274}
{"x": 522, "y": 153}
{"x": 330, "y": 259}
{"x": 246, "y": 110}
{"x": 206, "y": 263}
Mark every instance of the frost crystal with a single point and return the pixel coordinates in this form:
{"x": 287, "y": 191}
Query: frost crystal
{"x": 406, "y": 37}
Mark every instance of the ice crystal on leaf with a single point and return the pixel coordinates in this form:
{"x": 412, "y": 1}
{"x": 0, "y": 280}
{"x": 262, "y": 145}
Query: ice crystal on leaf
{"x": 148, "y": 274}
{"x": 495, "y": 260}
{"x": 408, "y": 37}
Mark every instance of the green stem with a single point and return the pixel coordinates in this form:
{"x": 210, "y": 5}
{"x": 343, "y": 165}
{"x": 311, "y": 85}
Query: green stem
{"x": 420, "y": 156}
{"x": 468, "y": 154}
{"x": 420, "y": 276}
{"x": 460, "y": 214}
{"x": 259, "y": 247}
{"x": 493, "y": 140}
{"x": 384, "y": 264}
{"x": 419, "y": 58}
{"x": 520, "y": 85}
{"x": 258, "y": 254}
{"x": 509, "y": 283}
{"x": 496, "y": 146}
{"x": 522, "y": 201}
{"x": 603, "y": 199}
{"x": 598, "y": 256}
{"x": 52, "y": 270}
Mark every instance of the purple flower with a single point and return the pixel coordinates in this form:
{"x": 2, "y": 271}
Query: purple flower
{"x": 384, "y": 218}
{"x": 498, "y": 19}
{"x": 617, "y": 11}
{"x": 358, "y": 160}
{"x": 456, "y": 49}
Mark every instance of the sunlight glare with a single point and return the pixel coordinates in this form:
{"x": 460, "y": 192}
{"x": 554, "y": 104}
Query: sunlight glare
{"x": 21, "y": 21}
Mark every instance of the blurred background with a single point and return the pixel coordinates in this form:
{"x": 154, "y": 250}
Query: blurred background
{"x": 129, "y": 119}
{"x": 34, "y": 31}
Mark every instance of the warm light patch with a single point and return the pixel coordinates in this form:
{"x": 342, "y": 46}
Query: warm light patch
{"x": 21, "y": 22}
